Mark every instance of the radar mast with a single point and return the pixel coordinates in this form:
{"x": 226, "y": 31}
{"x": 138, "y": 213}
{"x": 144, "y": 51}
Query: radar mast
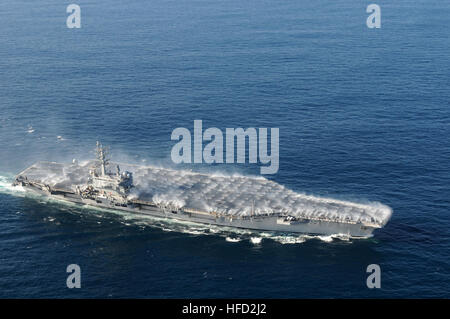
{"x": 102, "y": 153}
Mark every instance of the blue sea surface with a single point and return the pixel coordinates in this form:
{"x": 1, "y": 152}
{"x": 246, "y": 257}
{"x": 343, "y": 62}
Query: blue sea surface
{"x": 363, "y": 114}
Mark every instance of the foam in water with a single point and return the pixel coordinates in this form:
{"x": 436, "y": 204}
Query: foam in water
{"x": 233, "y": 240}
{"x": 6, "y": 186}
{"x": 255, "y": 240}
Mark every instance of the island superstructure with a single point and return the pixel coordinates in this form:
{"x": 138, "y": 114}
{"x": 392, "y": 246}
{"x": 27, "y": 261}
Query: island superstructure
{"x": 241, "y": 202}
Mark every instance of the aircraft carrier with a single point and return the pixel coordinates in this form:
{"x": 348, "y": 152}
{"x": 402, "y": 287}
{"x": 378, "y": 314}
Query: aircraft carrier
{"x": 232, "y": 201}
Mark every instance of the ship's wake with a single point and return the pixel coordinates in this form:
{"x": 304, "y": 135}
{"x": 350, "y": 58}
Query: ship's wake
{"x": 6, "y": 186}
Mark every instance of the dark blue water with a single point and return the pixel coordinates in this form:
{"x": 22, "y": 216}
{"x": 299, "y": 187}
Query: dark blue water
{"x": 364, "y": 114}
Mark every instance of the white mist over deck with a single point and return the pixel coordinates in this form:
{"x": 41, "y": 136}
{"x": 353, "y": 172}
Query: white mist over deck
{"x": 230, "y": 195}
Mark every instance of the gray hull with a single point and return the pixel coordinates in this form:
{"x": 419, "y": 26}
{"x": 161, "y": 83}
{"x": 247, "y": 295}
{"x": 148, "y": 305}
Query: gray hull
{"x": 259, "y": 222}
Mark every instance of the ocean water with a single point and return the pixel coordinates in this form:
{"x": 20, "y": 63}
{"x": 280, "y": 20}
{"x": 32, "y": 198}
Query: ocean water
{"x": 364, "y": 115}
